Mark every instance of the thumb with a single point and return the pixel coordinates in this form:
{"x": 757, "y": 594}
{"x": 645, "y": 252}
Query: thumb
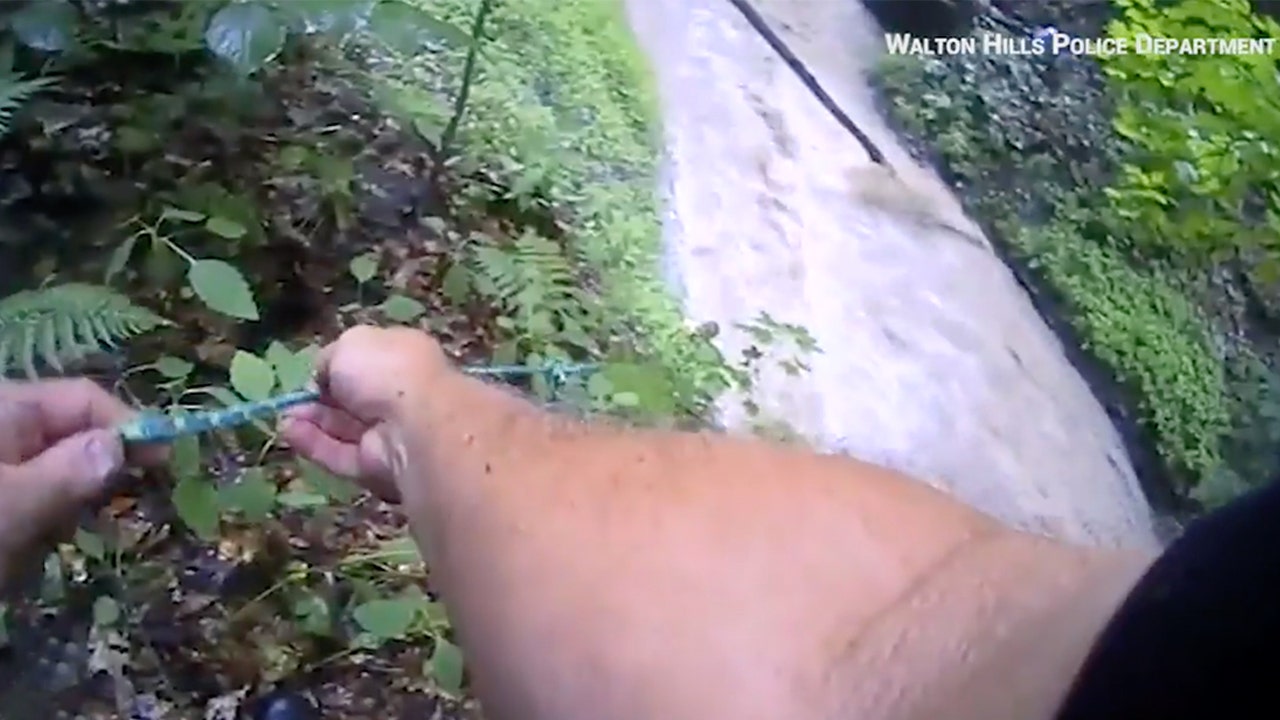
{"x": 77, "y": 468}
{"x": 381, "y": 461}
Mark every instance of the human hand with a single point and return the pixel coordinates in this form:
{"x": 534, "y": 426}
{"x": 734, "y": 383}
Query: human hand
{"x": 366, "y": 377}
{"x": 58, "y": 451}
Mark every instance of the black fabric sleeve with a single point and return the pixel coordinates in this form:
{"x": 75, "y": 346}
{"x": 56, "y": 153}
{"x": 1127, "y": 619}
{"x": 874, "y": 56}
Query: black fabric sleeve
{"x": 1199, "y": 635}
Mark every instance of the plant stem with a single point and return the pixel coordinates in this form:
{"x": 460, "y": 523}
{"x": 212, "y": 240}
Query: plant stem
{"x": 175, "y": 247}
{"x": 468, "y": 75}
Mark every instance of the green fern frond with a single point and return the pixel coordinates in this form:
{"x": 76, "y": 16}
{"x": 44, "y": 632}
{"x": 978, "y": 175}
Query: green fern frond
{"x": 64, "y": 323}
{"x": 15, "y": 91}
{"x": 539, "y": 289}
{"x": 531, "y": 273}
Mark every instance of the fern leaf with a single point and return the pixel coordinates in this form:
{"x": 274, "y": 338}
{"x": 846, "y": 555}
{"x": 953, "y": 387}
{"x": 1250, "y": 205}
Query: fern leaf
{"x": 60, "y": 324}
{"x": 15, "y": 91}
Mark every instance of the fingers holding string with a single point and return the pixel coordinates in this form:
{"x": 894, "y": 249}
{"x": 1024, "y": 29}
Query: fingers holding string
{"x": 59, "y": 408}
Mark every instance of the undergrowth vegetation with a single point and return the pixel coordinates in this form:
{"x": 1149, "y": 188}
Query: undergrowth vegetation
{"x": 199, "y": 195}
{"x": 1141, "y": 187}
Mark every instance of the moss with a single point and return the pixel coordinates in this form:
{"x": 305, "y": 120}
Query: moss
{"x": 1151, "y": 335}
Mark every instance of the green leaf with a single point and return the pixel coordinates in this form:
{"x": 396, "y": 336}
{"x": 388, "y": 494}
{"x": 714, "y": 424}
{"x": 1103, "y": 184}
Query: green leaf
{"x": 598, "y": 386}
{"x": 366, "y": 641}
{"x": 447, "y": 666}
{"x": 299, "y": 500}
{"x": 187, "y": 216}
{"x": 225, "y": 228}
{"x": 437, "y": 617}
{"x": 184, "y": 457}
{"x": 277, "y": 353}
{"x": 251, "y": 376}
{"x": 406, "y": 28}
{"x": 325, "y": 483}
{"x": 296, "y": 370}
{"x": 293, "y": 370}
{"x": 336, "y": 18}
{"x": 313, "y": 615}
{"x": 402, "y": 309}
{"x": 364, "y": 267}
{"x": 48, "y": 25}
{"x": 4, "y": 625}
{"x": 120, "y": 258}
{"x": 90, "y": 544}
{"x": 253, "y": 495}
{"x": 248, "y": 35}
{"x": 387, "y": 619}
{"x": 221, "y": 287}
{"x": 647, "y": 385}
{"x": 457, "y": 283}
{"x": 196, "y": 501}
{"x": 173, "y": 368}
{"x": 399, "y": 551}
{"x": 136, "y": 141}
{"x": 626, "y": 400}
{"x": 106, "y": 611}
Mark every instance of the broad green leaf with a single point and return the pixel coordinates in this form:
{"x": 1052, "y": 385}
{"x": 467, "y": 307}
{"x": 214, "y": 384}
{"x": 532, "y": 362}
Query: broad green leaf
{"x": 300, "y": 500}
{"x": 399, "y": 551}
{"x": 296, "y": 370}
{"x": 457, "y": 283}
{"x": 277, "y": 352}
{"x": 106, "y": 611}
{"x": 184, "y": 457}
{"x": 48, "y": 25}
{"x": 162, "y": 265}
{"x": 387, "y": 619}
{"x": 136, "y": 141}
{"x": 325, "y": 483}
{"x": 402, "y": 309}
{"x": 248, "y": 35}
{"x": 364, "y": 267}
{"x": 313, "y": 615}
{"x": 649, "y": 384}
{"x": 437, "y": 617}
{"x": 196, "y": 501}
{"x": 120, "y": 258}
{"x": 337, "y": 18}
{"x": 253, "y": 495}
{"x": 90, "y": 544}
{"x": 181, "y": 215}
{"x": 224, "y": 396}
{"x": 251, "y": 376}
{"x": 429, "y": 127}
{"x": 506, "y": 353}
{"x": 225, "y": 228}
{"x": 447, "y": 666}
{"x": 221, "y": 287}
{"x": 174, "y": 368}
{"x": 626, "y": 400}
{"x": 366, "y": 641}
{"x": 598, "y": 385}
{"x": 406, "y": 28}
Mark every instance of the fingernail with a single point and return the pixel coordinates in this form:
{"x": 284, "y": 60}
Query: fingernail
{"x": 105, "y": 456}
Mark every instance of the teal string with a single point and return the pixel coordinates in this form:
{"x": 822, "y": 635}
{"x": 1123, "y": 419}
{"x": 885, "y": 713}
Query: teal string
{"x": 154, "y": 426}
